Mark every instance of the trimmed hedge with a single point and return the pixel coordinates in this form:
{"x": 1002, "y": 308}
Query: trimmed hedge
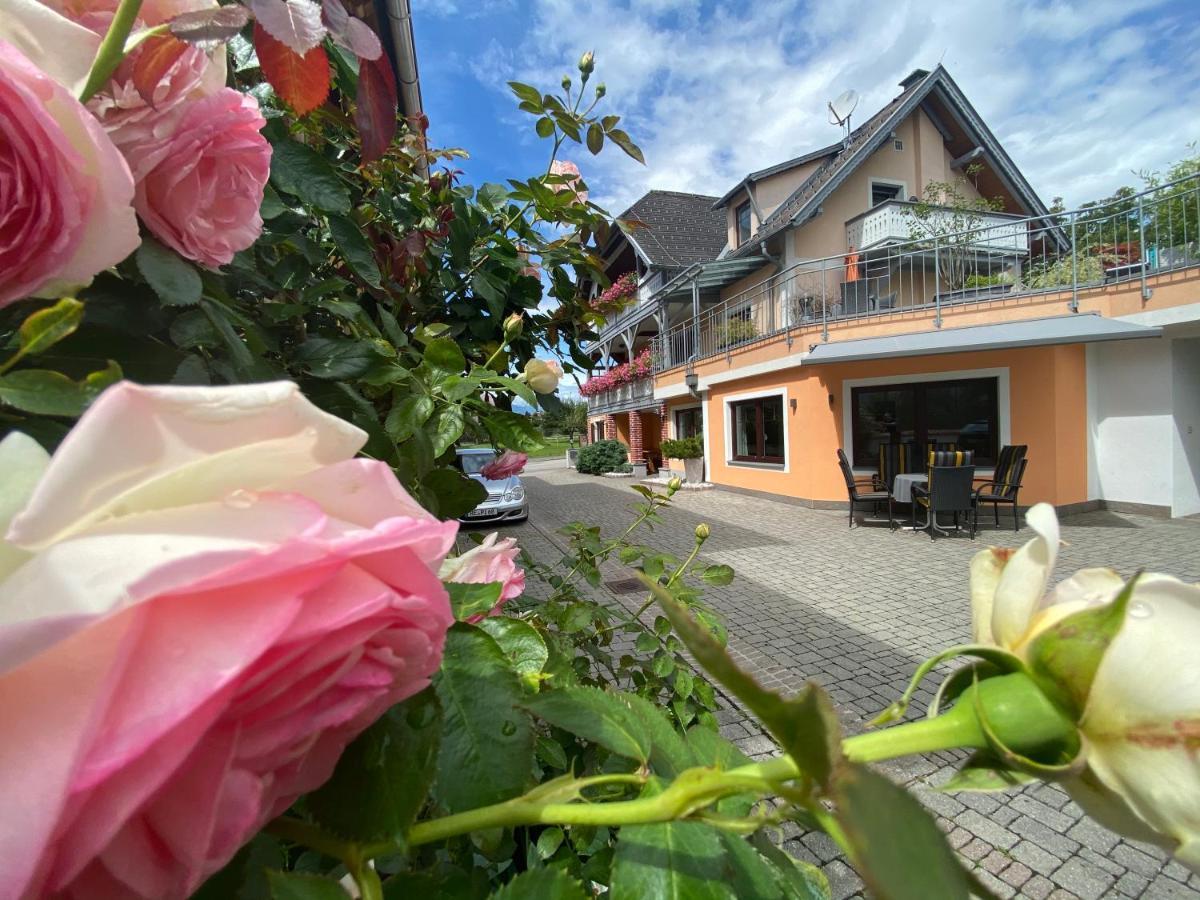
{"x": 601, "y": 457}
{"x": 683, "y": 448}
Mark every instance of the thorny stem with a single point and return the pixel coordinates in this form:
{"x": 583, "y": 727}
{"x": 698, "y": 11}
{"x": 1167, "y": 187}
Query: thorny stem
{"x": 692, "y": 792}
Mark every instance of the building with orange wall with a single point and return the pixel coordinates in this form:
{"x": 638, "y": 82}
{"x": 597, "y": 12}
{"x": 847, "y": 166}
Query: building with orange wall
{"x": 987, "y": 323}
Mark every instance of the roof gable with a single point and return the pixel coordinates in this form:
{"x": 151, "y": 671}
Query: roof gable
{"x": 671, "y": 228}
{"x": 869, "y": 136}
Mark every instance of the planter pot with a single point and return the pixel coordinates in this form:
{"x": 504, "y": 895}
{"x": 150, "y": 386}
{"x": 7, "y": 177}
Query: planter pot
{"x": 639, "y": 470}
{"x": 693, "y": 470}
{"x": 572, "y": 457}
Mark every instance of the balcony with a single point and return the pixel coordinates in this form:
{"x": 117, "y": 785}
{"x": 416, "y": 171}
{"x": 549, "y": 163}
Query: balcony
{"x": 1143, "y": 236}
{"x": 893, "y": 222}
{"x": 634, "y": 395}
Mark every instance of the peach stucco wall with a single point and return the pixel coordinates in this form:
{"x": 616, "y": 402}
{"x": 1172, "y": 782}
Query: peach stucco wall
{"x": 1047, "y": 410}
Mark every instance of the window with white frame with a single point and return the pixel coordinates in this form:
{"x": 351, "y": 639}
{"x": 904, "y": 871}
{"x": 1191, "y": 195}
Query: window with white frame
{"x": 883, "y": 191}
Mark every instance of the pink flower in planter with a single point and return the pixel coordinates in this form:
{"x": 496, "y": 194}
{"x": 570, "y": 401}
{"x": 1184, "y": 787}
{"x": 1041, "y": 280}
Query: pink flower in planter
{"x": 200, "y": 186}
{"x": 567, "y": 168}
{"x": 507, "y": 463}
{"x": 490, "y": 561}
{"x": 65, "y": 191}
{"x": 206, "y": 597}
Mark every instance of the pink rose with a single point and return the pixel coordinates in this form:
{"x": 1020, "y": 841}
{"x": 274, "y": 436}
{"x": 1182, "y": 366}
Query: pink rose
{"x": 200, "y": 186}
{"x": 65, "y": 191}
{"x": 567, "y": 168}
{"x": 507, "y": 463}
{"x": 490, "y": 561}
{"x": 206, "y": 597}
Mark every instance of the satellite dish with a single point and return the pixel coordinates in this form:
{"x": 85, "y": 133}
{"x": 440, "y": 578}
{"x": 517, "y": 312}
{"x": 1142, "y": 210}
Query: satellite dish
{"x": 840, "y": 109}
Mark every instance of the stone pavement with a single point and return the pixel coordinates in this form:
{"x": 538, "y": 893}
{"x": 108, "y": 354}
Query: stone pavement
{"x": 857, "y": 611}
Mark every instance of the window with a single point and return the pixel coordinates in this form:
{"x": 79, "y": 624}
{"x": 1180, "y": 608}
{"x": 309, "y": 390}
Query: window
{"x": 758, "y": 430}
{"x": 960, "y": 415}
{"x": 882, "y": 192}
{"x": 743, "y": 223}
{"x": 688, "y": 423}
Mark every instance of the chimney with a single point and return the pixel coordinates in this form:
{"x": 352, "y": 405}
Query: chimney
{"x": 913, "y": 77}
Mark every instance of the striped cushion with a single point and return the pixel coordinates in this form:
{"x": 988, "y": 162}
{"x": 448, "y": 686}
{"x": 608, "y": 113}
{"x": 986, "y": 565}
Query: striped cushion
{"x": 951, "y": 458}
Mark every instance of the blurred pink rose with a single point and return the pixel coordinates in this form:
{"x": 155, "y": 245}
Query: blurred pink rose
{"x": 565, "y": 167}
{"x": 490, "y": 561}
{"x": 199, "y": 187}
{"x": 507, "y": 463}
{"x": 206, "y": 597}
{"x": 65, "y": 191}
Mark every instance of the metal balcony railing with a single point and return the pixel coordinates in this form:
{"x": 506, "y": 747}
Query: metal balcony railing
{"x": 1130, "y": 239}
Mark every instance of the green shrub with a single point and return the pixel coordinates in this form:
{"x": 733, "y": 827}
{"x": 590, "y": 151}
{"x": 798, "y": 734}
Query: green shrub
{"x": 601, "y": 457}
{"x": 683, "y": 448}
{"x": 735, "y": 331}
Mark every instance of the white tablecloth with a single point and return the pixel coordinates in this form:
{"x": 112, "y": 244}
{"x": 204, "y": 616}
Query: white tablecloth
{"x": 903, "y": 485}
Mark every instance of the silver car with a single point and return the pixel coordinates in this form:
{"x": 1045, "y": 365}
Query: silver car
{"x": 506, "y": 497}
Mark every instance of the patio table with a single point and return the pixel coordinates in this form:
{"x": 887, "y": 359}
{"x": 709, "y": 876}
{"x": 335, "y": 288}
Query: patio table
{"x": 903, "y": 485}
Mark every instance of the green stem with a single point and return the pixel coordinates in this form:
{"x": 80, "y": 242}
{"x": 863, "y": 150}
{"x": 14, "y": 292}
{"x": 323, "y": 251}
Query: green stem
{"x": 367, "y": 880}
{"x": 112, "y": 48}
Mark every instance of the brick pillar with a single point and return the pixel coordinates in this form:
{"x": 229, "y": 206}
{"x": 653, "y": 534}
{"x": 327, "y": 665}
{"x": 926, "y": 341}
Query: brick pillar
{"x": 664, "y": 432}
{"x": 637, "y": 453}
{"x": 610, "y": 427}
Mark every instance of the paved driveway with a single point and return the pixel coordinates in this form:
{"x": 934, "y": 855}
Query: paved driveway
{"x": 857, "y": 610}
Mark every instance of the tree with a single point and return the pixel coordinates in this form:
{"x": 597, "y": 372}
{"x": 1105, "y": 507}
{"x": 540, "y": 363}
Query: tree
{"x": 951, "y": 218}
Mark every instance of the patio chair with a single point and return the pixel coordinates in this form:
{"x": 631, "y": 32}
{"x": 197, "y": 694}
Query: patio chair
{"x": 1003, "y": 489}
{"x": 949, "y": 490}
{"x": 945, "y": 455}
{"x": 859, "y": 497}
{"x": 894, "y": 459}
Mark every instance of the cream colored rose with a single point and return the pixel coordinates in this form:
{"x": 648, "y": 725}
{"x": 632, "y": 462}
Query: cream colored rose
{"x": 543, "y": 375}
{"x": 1141, "y": 719}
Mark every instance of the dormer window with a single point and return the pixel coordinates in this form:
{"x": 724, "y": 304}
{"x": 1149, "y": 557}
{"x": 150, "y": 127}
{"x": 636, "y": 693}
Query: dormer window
{"x": 743, "y": 223}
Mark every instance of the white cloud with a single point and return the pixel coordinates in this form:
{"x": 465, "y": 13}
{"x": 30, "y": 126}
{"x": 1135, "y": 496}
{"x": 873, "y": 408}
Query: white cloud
{"x": 1080, "y": 94}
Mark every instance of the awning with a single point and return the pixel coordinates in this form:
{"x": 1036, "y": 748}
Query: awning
{"x": 1084, "y": 328}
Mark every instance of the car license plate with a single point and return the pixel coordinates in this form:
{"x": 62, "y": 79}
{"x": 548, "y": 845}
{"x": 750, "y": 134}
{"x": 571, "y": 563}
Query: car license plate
{"x": 479, "y": 513}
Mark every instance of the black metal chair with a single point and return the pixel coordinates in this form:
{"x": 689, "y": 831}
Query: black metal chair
{"x": 1003, "y": 489}
{"x": 949, "y": 490}
{"x": 859, "y": 498}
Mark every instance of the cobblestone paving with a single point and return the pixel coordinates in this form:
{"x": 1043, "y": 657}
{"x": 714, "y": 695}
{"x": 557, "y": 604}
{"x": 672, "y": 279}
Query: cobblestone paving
{"x": 857, "y": 611}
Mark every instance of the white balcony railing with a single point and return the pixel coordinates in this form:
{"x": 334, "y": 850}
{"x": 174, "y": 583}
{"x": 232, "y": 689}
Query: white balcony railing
{"x": 622, "y": 397}
{"x": 893, "y": 222}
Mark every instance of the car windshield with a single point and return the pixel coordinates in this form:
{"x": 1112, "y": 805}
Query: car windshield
{"x": 472, "y": 462}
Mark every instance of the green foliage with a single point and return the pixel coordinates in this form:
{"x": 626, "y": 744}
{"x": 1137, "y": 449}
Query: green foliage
{"x": 683, "y": 448}
{"x": 734, "y": 332}
{"x": 601, "y": 457}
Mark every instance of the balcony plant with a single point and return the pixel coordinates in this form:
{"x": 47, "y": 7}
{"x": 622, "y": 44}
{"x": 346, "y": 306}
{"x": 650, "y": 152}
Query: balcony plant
{"x": 641, "y": 366}
{"x": 691, "y": 451}
{"x": 952, "y": 216}
{"x": 617, "y": 296}
{"x": 733, "y": 332}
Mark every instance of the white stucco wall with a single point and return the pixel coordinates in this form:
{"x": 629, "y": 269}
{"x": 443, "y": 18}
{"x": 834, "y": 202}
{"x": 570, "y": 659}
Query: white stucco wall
{"x": 1144, "y": 423}
{"x": 1185, "y": 368}
{"x": 1130, "y": 424}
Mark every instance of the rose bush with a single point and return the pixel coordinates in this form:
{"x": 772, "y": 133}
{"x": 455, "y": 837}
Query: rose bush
{"x": 490, "y": 561}
{"x": 200, "y": 186}
{"x": 65, "y": 191}
{"x": 1141, "y": 712}
{"x": 206, "y": 598}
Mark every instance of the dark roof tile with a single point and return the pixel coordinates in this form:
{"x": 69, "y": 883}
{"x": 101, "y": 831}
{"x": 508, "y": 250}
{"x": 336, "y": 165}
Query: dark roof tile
{"x": 680, "y": 229}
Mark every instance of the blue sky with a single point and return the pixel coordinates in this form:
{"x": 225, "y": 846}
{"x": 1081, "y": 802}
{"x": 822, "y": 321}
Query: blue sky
{"x": 1081, "y": 94}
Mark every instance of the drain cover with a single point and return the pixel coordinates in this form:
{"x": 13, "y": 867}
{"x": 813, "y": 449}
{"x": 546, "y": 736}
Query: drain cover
{"x": 625, "y": 586}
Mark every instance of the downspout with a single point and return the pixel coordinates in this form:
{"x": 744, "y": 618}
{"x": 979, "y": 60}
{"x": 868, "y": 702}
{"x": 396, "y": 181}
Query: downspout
{"x": 402, "y": 52}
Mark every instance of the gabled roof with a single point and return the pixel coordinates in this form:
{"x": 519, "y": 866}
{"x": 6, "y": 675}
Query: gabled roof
{"x": 777, "y": 168}
{"x": 679, "y": 229}
{"x": 868, "y": 137}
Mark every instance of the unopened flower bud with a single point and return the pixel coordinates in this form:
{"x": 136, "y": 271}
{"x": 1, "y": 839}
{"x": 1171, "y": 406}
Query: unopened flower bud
{"x": 702, "y": 532}
{"x": 673, "y": 485}
{"x": 566, "y": 82}
{"x": 587, "y": 63}
{"x": 513, "y": 326}
{"x": 601, "y": 90}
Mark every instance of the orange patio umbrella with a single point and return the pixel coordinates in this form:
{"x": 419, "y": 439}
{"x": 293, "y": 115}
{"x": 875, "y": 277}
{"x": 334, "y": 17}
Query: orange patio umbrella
{"x": 852, "y": 264}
